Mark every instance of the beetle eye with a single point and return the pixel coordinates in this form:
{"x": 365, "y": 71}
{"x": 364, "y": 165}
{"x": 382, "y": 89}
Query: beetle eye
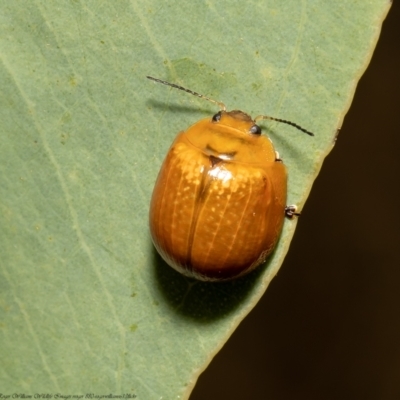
{"x": 255, "y": 130}
{"x": 216, "y": 117}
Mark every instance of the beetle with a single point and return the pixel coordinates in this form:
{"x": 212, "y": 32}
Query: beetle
{"x": 219, "y": 202}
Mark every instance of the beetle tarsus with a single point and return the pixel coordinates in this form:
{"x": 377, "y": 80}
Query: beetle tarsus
{"x": 291, "y": 211}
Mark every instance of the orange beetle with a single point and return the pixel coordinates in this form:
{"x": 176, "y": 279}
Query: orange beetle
{"x": 219, "y": 202}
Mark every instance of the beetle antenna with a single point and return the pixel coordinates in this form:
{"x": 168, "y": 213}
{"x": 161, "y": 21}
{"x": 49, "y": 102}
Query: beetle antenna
{"x": 285, "y": 122}
{"x": 218, "y": 103}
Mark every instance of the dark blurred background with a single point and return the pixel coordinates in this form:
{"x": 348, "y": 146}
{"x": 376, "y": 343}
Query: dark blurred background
{"x": 328, "y": 326}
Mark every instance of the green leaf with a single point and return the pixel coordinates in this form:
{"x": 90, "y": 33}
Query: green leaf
{"x": 87, "y": 306}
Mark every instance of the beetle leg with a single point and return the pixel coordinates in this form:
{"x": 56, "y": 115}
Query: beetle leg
{"x": 290, "y": 211}
{"x": 277, "y": 158}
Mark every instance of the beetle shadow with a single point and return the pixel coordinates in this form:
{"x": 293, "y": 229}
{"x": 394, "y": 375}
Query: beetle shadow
{"x": 177, "y": 108}
{"x": 202, "y": 301}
